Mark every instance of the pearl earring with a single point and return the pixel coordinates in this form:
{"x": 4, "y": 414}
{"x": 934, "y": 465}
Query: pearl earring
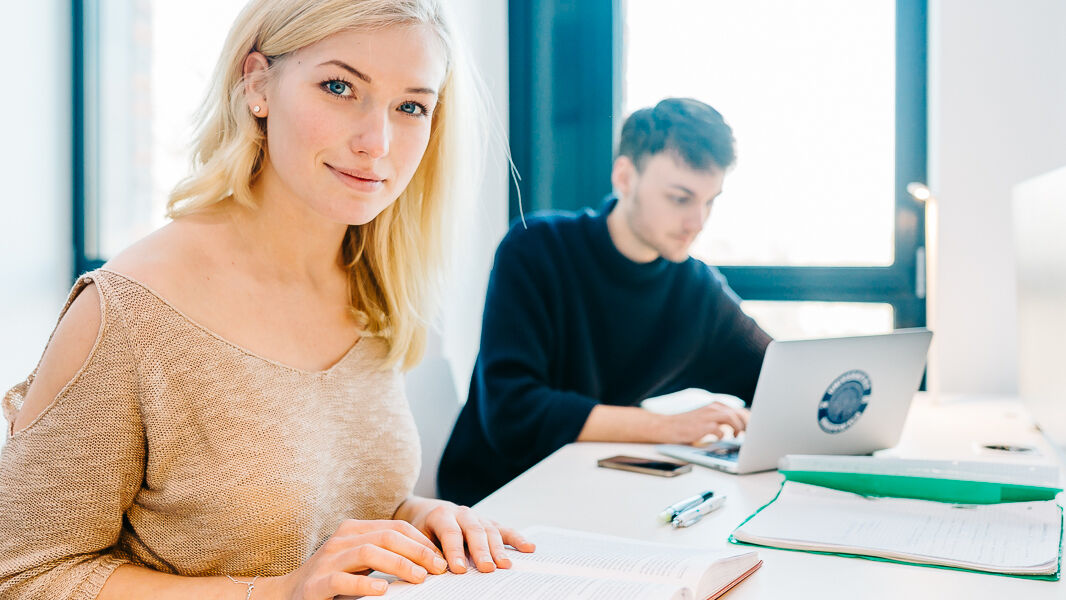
{"x": 256, "y": 109}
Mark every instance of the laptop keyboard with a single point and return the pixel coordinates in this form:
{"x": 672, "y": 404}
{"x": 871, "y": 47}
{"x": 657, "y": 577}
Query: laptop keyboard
{"x": 722, "y": 451}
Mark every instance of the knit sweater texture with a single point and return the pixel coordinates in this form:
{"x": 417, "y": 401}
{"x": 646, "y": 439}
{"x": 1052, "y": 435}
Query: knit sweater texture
{"x": 174, "y": 449}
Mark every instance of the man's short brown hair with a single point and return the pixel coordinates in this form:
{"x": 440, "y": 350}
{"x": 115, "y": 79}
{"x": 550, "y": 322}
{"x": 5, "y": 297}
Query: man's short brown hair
{"x": 692, "y": 130}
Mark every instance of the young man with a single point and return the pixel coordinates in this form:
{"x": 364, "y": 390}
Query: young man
{"x": 588, "y": 314}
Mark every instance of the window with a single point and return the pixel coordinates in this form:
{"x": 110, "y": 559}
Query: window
{"x": 801, "y": 320}
{"x": 811, "y": 101}
{"x": 141, "y": 70}
{"x": 827, "y": 101}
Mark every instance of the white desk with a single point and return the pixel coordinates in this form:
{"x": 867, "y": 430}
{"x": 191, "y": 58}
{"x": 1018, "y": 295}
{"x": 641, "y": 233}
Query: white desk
{"x": 568, "y": 490}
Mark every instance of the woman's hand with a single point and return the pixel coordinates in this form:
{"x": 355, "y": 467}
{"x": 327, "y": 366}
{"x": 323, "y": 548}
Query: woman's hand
{"x": 340, "y": 566}
{"x": 460, "y": 530}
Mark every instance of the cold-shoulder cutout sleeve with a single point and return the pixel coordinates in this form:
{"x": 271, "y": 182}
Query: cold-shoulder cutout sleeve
{"x": 69, "y": 476}
{"x": 65, "y": 357}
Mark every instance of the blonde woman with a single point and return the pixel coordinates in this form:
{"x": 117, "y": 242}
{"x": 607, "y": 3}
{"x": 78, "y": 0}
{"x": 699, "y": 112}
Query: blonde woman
{"x": 219, "y": 412}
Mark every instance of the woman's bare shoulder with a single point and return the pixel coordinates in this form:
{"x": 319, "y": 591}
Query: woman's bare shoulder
{"x": 67, "y": 351}
{"x": 170, "y": 261}
{"x": 169, "y": 258}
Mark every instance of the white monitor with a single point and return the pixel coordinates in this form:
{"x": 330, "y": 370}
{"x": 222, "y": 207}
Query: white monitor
{"x": 1040, "y": 245}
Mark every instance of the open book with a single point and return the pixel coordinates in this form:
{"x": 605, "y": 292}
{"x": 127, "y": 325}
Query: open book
{"x": 587, "y": 566}
{"x": 1014, "y": 538}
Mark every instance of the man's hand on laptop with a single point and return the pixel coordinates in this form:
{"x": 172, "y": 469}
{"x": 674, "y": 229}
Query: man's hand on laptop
{"x": 692, "y": 427}
{"x": 608, "y": 423}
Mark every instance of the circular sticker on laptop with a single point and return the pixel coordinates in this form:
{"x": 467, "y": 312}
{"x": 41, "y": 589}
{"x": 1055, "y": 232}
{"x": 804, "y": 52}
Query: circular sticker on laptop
{"x": 844, "y": 401}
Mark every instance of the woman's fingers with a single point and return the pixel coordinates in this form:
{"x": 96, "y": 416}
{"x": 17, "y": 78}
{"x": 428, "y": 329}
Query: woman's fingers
{"x": 399, "y": 548}
{"x": 399, "y": 537}
{"x": 353, "y": 527}
{"x": 496, "y": 549}
{"x": 415, "y": 551}
{"x": 370, "y": 556}
{"x": 446, "y": 528}
{"x": 413, "y": 532}
{"x": 515, "y": 540}
{"x": 477, "y": 541}
{"x": 346, "y": 584}
{"x": 460, "y": 532}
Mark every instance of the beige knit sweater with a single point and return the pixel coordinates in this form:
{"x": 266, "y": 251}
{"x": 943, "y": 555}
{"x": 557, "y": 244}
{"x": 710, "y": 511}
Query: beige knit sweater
{"x": 177, "y": 450}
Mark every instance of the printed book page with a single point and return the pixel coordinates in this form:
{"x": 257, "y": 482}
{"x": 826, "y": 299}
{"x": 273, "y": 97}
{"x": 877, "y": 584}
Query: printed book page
{"x": 593, "y": 555}
{"x": 517, "y": 583}
{"x": 571, "y": 564}
{"x": 1016, "y": 538}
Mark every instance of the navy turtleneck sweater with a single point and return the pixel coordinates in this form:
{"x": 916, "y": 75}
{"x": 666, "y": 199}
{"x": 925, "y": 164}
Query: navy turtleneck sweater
{"x": 571, "y": 323}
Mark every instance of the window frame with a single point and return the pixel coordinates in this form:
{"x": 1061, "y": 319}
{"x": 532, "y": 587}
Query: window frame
{"x": 565, "y": 109}
{"x": 565, "y": 102}
{"x": 81, "y": 169}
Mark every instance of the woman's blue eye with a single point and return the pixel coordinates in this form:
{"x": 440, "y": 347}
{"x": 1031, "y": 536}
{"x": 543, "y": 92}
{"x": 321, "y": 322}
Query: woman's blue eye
{"x": 337, "y": 87}
{"x": 412, "y": 108}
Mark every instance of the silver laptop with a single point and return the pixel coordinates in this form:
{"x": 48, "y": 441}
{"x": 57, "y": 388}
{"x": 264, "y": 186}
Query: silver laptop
{"x": 826, "y": 396}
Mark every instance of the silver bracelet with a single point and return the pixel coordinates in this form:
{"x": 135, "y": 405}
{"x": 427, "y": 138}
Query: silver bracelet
{"x": 250, "y": 584}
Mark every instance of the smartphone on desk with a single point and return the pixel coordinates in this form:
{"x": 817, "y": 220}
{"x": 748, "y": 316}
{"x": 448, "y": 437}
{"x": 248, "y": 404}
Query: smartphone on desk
{"x": 650, "y": 466}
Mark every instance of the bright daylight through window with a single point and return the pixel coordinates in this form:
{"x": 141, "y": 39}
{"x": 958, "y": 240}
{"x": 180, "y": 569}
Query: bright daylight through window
{"x": 150, "y": 76}
{"x": 809, "y": 89}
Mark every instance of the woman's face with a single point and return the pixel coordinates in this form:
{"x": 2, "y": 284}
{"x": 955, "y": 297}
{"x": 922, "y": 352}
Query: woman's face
{"x": 348, "y": 119}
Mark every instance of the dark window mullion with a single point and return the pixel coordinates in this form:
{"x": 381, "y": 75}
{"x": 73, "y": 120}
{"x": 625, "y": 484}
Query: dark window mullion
{"x": 84, "y": 81}
{"x": 809, "y": 283}
{"x": 911, "y": 150}
{"x": 565, "y": 93}
{"x": 78, "y": 135}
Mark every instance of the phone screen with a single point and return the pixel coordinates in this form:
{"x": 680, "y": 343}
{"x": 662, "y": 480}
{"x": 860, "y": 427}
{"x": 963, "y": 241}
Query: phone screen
{"x": 644, "y": 465}
{"x": 647, "y": 463}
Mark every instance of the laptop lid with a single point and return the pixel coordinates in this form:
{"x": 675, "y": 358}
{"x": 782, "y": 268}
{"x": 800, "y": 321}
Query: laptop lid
{"x": 833, "y": 396}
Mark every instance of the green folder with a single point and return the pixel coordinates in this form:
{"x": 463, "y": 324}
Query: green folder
{"x": 924, "y": 488}
{"x": 919, "y": 488}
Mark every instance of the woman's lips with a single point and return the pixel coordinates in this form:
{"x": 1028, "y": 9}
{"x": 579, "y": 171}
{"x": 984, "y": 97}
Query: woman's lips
{"x": 363, "y": 181}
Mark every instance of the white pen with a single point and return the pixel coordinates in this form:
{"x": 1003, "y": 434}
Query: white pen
{"x": 671, "y": 512}
{"x": 694, "y": 514}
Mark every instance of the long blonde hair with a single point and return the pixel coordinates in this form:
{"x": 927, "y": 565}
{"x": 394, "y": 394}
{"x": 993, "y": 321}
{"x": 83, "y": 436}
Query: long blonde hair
{"x": 395, "y": 262}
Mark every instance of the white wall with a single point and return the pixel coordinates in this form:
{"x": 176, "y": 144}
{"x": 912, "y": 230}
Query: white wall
{"x": 35, "y": 231}
{"x": 483, "y": 24}
{"x": 997, "y": 116}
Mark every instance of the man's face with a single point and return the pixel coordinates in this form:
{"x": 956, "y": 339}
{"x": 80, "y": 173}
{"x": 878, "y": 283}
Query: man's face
{"x": 666, "y": 204}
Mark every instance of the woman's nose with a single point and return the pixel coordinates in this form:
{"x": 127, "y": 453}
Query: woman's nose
{"x": 371, "y": 136}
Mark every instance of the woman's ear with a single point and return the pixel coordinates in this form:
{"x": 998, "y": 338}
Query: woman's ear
{"x": 623, "y": 176}
{"x": 255, "y": 80}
